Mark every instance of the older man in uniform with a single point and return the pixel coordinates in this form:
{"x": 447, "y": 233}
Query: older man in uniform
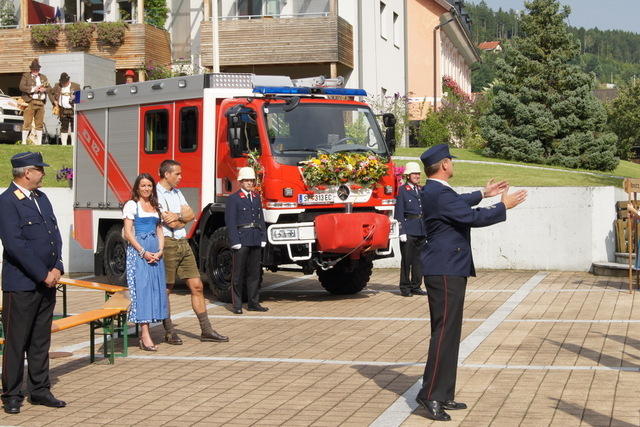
{"x": 447, "y": 261}
{"x": 31, "y": 268}
{"x": 34, "y": 87}
{"x": 247, "y": 234}
{"x": 408, "y": 212}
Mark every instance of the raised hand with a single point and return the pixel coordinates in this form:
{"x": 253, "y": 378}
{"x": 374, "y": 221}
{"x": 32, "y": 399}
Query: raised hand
{"x": 494, "y": 188}
{"x": 511, "y": 200}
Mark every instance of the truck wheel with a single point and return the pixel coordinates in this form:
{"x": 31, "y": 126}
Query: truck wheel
{"x": 340, "y": 281}
{"x": 219, "y": 263}
{"x": 115, "y": 256}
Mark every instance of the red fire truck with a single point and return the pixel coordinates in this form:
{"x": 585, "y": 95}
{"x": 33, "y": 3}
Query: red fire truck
{"x": 210, "y": 124}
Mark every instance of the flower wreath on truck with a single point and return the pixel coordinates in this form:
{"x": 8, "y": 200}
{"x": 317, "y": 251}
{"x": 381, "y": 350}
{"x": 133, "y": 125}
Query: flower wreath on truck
{"x": 361, "y": 169}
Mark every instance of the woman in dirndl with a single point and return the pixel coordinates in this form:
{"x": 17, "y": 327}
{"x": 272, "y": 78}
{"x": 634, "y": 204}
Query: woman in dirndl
{"x": 145, "y": 266}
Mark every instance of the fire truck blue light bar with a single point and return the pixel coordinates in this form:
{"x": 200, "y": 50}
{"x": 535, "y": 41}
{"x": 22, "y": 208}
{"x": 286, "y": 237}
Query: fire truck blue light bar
{"x": 273, "y": 90}
{"x": 343, "y": 91}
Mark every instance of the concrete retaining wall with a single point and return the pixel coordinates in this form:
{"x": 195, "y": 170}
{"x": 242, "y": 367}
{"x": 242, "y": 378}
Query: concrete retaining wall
{"x": 557, "y": 228}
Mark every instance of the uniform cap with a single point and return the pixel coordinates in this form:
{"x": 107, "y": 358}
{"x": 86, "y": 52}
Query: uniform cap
{"x": 130, "y": 73}
{"x": 35, "y": 65}
{"x": 436, "y": 153}
{"x": 411, "y": 167}
{"x": 30, "y": 158}
{"x": 246, "y": 173}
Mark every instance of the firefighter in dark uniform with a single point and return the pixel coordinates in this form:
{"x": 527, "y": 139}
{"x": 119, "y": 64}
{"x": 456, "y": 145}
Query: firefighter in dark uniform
{"x": 247, "y": 234}
{"x": 447, "y": 262}
{"x": 31, "y": 268}
{"x": 408, "y": 213}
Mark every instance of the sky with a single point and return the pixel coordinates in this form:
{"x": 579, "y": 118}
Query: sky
{"x": 604, "y": 14}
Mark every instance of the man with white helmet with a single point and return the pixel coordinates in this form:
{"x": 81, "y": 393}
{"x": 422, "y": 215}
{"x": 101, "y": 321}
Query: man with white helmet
{"x": 247, "y": 234}
{"x": 408, "y": 213}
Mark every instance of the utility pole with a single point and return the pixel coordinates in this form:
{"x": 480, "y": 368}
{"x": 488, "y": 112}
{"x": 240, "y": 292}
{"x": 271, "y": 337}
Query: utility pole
{"x": 215, "y": 36}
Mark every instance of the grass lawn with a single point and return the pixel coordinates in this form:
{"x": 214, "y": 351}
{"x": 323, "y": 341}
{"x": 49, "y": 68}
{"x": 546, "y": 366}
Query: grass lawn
{"x": 57, "y": 156}
{"x": 469, "y": 174}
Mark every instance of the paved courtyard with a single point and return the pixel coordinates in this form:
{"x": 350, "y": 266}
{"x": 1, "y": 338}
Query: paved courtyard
{"x": 539, "y": 348}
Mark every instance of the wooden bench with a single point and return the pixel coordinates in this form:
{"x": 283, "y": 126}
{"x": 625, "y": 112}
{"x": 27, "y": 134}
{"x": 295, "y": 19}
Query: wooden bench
{"x": 107, "y": 289}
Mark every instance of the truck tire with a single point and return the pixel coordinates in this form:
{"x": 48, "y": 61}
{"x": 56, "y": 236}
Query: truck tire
{"x": 115, "y": 256}
{"x": 340, "y": 281}
{"x": 219, "y": 264}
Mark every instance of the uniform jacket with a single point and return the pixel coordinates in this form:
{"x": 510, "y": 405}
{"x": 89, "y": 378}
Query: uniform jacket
{"x": 54, "y": 93}
{"x": 408, "y": 204}
{"x": 27, "y": 82}
{"x": 448, "y": 218}
{"x": 30, "y": 239}
{"x": 240, "y": 210}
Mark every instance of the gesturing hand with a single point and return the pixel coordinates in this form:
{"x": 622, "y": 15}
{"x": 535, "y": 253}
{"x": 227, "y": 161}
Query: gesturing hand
{"x": 494, "y": 188}
{"x": 511, "y": 200}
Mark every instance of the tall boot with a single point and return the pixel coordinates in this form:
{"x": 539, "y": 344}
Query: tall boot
{"x": 63, "y": 138}
{"x": 208, "y": 334}
{"x": 170, "y": 336}
{"x": 25, "y": 137}
{"x": 72, "y": 136}
{"x": 38, "y": 137}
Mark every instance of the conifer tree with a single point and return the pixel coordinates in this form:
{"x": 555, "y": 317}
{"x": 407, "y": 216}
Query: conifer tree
{"x": 624, "y": 119}
{"x": 543, "y": 109}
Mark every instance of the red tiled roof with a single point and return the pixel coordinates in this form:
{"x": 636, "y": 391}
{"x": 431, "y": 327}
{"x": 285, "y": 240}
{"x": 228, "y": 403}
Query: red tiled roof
{"x": 488, "y": 45}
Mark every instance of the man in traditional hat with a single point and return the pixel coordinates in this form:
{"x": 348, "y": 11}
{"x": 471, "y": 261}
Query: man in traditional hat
{"x": 408, "y": 213}
{"x": 447, "y": 261}
{"x": 31, "y": 268}
{"x": 63, "y": 97}
{"x": 247, "y": 234}
{"x": 34, "y": 87}
{"x": 129, "y": 76}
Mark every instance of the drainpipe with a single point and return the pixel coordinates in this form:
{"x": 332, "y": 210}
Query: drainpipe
{"x": 405, "y": 134}
{"x": 435, "y": 61}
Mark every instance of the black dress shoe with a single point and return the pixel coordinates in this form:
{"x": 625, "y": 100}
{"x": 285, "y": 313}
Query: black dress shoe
{"x": 435, "y": 410}
{"x": 418, "y": 292}
{"x": 257, "y": 308}
{"x": 236, "y": 310}
{"x": 12, "y": 406}
{"x": 406, "y": 294}
{"x": 452, "y": 405}
{"x": 172, "y": 338}
{"x": 213, "y": 336}
{"x": 47, "y": 400}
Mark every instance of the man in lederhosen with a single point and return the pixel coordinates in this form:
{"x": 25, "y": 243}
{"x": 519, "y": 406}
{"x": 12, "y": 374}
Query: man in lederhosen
{"x": 247, "y": 234}
{"x": 62, "y": 96}
{"x": 408, "y": 213}
{"x": 34, "y": 87}
{"x": 31, "y": 268}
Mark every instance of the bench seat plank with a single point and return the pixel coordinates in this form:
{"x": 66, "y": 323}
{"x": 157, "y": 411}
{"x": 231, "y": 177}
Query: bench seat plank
{"x": 92, "y": 285}
{"x": 82, "y": 318}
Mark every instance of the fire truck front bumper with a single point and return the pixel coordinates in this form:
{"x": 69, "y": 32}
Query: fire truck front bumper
{"x": 304, "y": 234}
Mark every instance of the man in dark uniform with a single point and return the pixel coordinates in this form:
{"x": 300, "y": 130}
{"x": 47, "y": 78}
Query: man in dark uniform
{"x": 446, "y": 263}
{"x": 408, "y": 212}
{"x": 31, "y": 268}
{"x": 247, "y": 234}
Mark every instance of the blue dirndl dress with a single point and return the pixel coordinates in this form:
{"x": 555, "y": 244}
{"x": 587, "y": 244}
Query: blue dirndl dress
{"x": 147, "y": 283}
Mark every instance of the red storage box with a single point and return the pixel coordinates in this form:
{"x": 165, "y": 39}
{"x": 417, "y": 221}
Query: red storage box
{"x": 342, "y": 232}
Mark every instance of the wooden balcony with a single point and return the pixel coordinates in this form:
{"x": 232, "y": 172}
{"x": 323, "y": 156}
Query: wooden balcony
{"x": 269, "y": 41}
{"x": 142, "y": 43}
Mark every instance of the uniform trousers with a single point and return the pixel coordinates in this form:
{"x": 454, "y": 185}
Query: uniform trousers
{"x": 246, "y": 273}
{"x": 410, "y": 269}
{"x": 446, "y": 302}
{"x": 27, "y": 317}
{"x": 33, "y": 112}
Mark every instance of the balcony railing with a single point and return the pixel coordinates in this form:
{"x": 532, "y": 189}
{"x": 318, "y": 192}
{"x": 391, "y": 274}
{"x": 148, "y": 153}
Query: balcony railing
{"x": 142, "y": 44}
{"x": 298, "y": 40}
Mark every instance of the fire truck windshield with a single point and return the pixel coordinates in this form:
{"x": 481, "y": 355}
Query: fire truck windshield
{"x": 313, "y": 128}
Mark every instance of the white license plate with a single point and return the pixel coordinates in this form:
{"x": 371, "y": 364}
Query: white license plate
{"x": 315, "y": 199}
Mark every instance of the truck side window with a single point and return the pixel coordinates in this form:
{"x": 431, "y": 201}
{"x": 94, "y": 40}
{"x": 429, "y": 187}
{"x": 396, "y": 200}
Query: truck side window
{"x": 156, "y": 131}
{"x": 243, "y": 129}
{"x": 188, "y": 129}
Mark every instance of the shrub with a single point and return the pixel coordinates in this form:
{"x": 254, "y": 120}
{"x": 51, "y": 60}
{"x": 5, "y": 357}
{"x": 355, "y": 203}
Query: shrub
{"x": 7, "y": 13}
{"x": 45, "y": 35}
{"x": 111, "y": 33}
{"x": 432, "y": 130}
{"x": 79, "y": 34}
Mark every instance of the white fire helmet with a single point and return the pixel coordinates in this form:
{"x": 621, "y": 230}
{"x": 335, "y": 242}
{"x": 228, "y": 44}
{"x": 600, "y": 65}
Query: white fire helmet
{"x": 246, "y": 173}
{"x": 411, "y": 167}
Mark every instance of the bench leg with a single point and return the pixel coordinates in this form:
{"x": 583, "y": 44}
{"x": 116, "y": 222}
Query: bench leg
{"x": 109, "y": 332}
{"x": 92, "y": 342}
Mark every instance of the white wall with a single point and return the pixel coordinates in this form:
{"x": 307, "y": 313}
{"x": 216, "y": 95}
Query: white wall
{"x": 557, "y": 228}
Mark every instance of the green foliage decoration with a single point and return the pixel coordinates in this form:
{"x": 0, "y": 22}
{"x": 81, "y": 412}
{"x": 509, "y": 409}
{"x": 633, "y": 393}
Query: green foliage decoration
{"x": 339, "y": 168}
{"x": 542, "y": 108}
{"x": 156, "y": 12}
{"x": 624, "y": 119}
{"x": 79, "y": 34}
{"x": 111, "y": 33}
{"x": 45, "y": 35}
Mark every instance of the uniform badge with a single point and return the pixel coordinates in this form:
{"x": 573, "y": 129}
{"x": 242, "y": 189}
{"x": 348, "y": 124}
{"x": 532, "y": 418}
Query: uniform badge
{"x": 242, "y": 196}
{"x": 407, "y": 187}
{"x": 19, "y": 194}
